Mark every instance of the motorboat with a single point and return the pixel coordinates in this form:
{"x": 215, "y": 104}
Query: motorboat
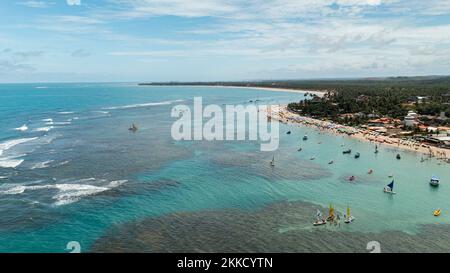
{"x": 434, "y": 181}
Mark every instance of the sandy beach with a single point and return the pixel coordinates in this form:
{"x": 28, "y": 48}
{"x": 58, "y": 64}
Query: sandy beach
{"x": 272, "y": 89}
{"x": 282, "y": 114}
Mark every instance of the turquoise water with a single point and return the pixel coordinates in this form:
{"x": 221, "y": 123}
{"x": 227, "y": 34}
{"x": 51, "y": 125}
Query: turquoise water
{"x": 77, "y": 172}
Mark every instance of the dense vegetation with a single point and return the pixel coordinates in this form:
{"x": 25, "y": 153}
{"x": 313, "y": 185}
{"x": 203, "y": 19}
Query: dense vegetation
{"x": 391, "y": 97}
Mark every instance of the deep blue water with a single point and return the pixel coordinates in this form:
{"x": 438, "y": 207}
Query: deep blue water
{"x": 76, "y": 171}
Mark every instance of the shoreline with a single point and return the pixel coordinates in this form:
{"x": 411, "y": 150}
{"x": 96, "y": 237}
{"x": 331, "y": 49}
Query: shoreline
{"x": 272, "y": 89}
{"x": 282, "y": 114}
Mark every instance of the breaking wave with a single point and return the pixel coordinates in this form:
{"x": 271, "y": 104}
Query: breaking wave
{"x": 67, "y": 193}
{"x": 142, "y": 105}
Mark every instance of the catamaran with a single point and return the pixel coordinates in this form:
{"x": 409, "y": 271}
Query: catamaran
{"x": 434, "y": 181}
{"x": 348, "y": 217}
{"x": 389, "y": 188}
{"x": 319, "y": 221}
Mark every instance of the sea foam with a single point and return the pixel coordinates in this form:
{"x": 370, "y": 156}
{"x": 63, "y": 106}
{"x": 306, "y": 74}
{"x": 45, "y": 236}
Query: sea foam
{"x": 23, "y": 128}
{"x": 67, "y": 193}
{"x": 142, "y": 105}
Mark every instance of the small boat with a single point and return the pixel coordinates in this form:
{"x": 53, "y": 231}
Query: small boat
{"x": 319, "y": 221}
{"x": 288, "y": 132}
{"x": 305, "y": 137}
{"x": 299, "y": 149}
{"x": 422, "y": 160}
{"x": 133, "y": 128}
{"x": 349, "y": 151}
{"x": 370, "y": 171}
{"x": 437, "y": 212}
{"x": 348, "y": 218}
{"x": 357, "y": 155}
{"x": 398, "y": 156}
{"x": 376, "y": 149}
{"x": 331, "y": 162}
{"x": 331, "y": 215}
{"x": 312, "y": 158}
{"x": 272, "y": 163}
{"x": 434, "y": 181}
{"x": 389, "y": 188}
{"x": 352, "y": 178}
{"x": 391, "y": 175}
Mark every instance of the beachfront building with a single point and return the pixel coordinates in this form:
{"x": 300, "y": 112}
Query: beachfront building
{"x": 410, "y": 119}
{"x": 441, "y": 141}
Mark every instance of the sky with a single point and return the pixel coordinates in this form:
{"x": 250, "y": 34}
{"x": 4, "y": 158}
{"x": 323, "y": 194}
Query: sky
{"x": 213, "y": 40}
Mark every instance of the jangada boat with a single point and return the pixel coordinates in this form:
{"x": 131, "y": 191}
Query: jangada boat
{"x": 133, "y": 128}
{"x": 434, "y": 181}
{"x": 319, "y": 221}
{"x": 348, "y": 217}
{"x": 389, "y": 188}
{"x": 331, "y": 215}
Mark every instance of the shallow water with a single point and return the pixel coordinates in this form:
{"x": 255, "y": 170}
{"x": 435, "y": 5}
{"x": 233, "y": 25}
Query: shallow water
{"x": 86, "y": 175}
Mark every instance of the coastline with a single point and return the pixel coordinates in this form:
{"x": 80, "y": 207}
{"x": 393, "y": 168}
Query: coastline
{"x": 282, "y": 114}
{"x": 272, "y": 89}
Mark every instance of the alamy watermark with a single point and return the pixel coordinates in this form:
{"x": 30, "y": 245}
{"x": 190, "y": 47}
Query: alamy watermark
{"x": 235, "y": 122}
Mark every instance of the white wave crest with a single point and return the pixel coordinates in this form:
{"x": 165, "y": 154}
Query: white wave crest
{"x": 43, "y": 129}
{"x": 142, "y": 105}
{"x": 11, "y": 143}
{"x": 23, "y": 128}
{"x": 67, "y": 193}
{"x": 41, "y": 165}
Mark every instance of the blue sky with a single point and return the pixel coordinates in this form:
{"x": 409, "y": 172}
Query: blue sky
{"x": 190, "y": 40}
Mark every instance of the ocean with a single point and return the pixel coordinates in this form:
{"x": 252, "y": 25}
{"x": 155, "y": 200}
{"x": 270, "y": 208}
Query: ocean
{"x": 70, "y": 170}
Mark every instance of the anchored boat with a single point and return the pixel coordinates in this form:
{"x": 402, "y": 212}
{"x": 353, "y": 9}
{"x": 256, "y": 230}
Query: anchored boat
{"x": 437, "y": 212}
{"x": 272, "y": 163}
{"x": 389, "y": 188}
{"x": 349, "y": 151}
{"x": 305, "y": 137}
{"x": 434, "y": 181}
{"x": 357, "y": 155}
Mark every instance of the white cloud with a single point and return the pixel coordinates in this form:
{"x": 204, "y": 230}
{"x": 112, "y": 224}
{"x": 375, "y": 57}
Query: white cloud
{"x": 36, "y": 4}
{"x": 73, "y": 2}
